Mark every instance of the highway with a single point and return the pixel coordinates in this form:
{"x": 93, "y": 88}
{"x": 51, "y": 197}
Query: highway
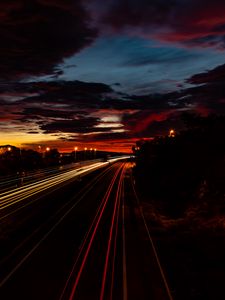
{"x": 23, "y": 178}
{"x": 80, "y": 234}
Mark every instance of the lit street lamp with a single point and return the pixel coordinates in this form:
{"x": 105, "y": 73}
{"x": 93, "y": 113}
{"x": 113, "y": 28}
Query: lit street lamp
{"x": 85, "y": 149}
{"x": 75, "y": 153}
{"x": 172, "y": 133}
{"x": 47, "y": 149}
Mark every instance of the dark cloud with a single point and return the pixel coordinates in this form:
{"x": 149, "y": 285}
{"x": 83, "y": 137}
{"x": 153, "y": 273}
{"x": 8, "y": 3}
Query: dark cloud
{"x": 36, "y": 35}
{"x": 74, "y": 107}
{"x": 120, "y": 13}
{"x": 216, "y": 75}
{"x": 112, "y": 136}
{"x": 209, "y": 91}
{"x": 79, "y": 125}
{"x": 187, "y": 21}
{"x": 33, "y": 132}
{"x": 35, "y": 113}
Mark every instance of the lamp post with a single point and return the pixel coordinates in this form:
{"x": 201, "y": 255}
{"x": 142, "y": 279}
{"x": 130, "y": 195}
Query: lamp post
{"x": 75, "y": 153}
{"x": 85, "y": 149}
{"x": 47, "y": 149}
{"x": 172, "y": 133}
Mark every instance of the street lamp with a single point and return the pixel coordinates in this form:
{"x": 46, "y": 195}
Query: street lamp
{"x": 9, "y": 149}
{"x": 48, "y": 149}
{"x": 85, "y": 149}
{"x": 172, "y": 133}
{"x": 90, "y": 153}
{"x": 75, "y": 151}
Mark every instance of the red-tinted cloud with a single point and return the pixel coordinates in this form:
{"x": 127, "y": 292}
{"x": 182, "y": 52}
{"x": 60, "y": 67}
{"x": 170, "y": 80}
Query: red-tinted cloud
{"x": 200, "y": 23}
{"x": 75, "y": 111}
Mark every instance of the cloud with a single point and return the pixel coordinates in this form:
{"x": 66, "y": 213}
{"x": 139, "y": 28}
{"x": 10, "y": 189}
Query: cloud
{"x": 79, "y": 125}
{"x": 198, "y": 23}
{"x": 37, "y": 35}
{"x": 208, "y": 90}
{"x": 81, "y": 111}
{"x": 216, "y": 75}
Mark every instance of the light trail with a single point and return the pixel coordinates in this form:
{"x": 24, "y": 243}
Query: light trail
{"x": 83, "y": 193}
{"x": 26, "y": 193}
{"x": 11, "y": 198}
{"x": 106, "y": 198}
{"x": 115, "y": 249}
{"x": 83, "y": 244}
{"x": 111, "y": 235}
{"x": 8, "y": 182}
{"x": 89, "y": 186}
{"x": 124, "y": 250}
{"x": 12, "y": 181}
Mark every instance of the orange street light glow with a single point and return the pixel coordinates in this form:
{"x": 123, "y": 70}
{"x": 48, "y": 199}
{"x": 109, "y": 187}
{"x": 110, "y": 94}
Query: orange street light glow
{"x": 172, "y": 133}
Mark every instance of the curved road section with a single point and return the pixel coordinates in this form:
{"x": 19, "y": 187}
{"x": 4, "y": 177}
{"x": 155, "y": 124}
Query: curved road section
{"x": 79, "y": 236}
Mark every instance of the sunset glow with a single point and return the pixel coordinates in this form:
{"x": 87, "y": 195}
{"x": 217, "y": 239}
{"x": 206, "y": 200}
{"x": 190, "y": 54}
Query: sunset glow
{"x": 95, "y": 75}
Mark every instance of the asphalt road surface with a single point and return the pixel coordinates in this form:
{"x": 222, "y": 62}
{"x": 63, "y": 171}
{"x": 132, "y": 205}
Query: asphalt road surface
{"x": 79, "y": 237}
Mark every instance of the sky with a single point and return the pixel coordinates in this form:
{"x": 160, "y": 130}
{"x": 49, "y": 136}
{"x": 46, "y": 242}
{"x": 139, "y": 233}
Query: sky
{"x": 104, "y": 74}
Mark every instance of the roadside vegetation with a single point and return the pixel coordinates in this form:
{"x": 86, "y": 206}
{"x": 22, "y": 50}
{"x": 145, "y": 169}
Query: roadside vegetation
{"x": 181, "y": 182}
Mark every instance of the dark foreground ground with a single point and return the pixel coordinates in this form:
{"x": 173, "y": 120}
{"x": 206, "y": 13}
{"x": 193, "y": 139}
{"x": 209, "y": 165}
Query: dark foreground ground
{"x": 191, "y": 249}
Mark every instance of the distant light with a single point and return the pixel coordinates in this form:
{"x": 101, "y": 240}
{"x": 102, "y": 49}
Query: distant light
{"x": 75, "y": 148}
{"x": 90, "y": 149}
{"x": 9, "y": 148}
{"x": 85, "y": 148}
{"x": 172, "y": 133}
{"x": 95, "y": 149}
{"x": 47, "y": 149}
